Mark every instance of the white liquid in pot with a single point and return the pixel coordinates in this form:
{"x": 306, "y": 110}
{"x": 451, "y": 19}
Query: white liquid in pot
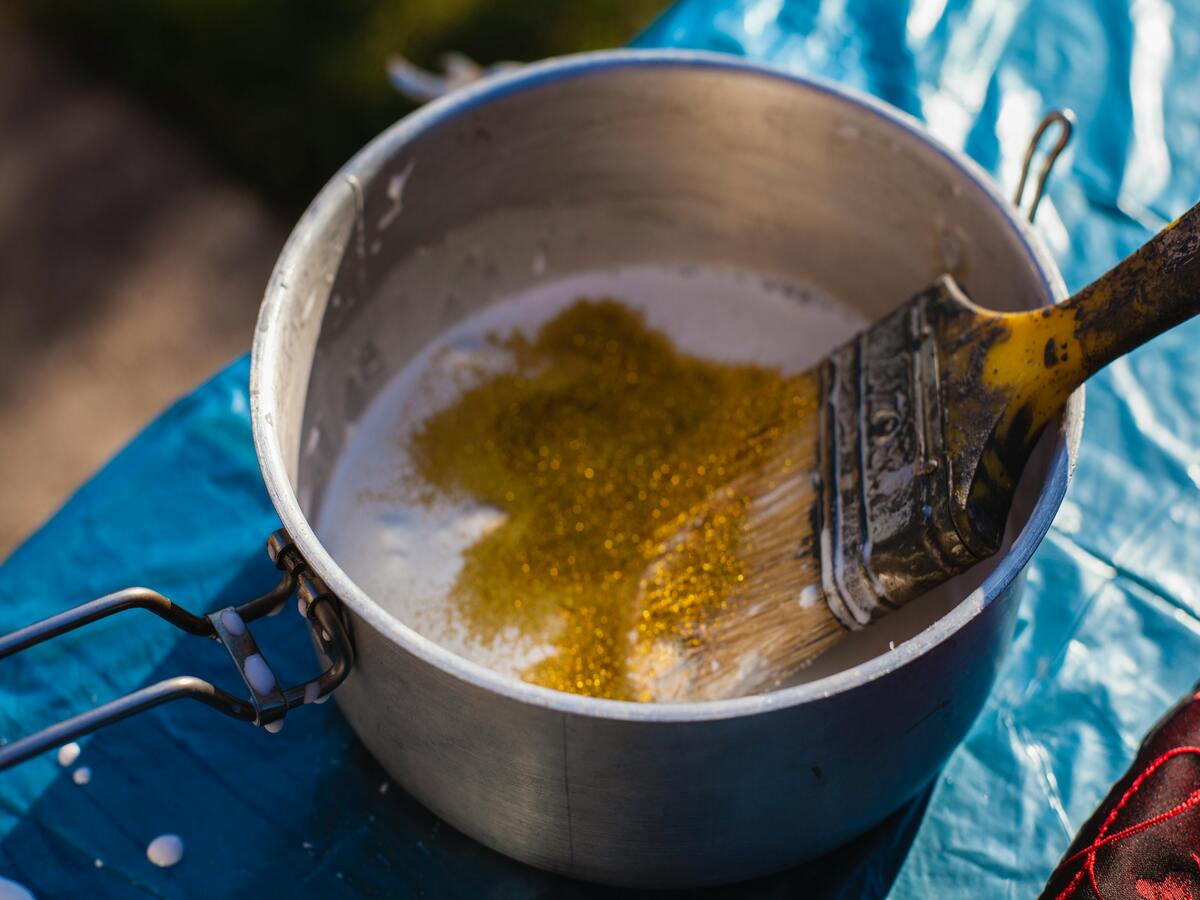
{"x": 406, "y": 556}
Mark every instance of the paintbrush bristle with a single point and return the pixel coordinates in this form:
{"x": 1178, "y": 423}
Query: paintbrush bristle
{"x": 905, "y": 449}
{"x": 773, "y": 619}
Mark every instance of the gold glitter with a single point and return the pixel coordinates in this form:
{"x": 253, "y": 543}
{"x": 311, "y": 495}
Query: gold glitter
{"x": 598, "y": 444}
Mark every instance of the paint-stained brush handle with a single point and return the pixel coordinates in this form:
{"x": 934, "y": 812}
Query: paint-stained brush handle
{"x": 1006, "y": 375}
{"x": 1150, "y": 292}
{"x": 1155, "y": 289}
{"x": 929, "y": 417}
{"x": 1144, "y": 295}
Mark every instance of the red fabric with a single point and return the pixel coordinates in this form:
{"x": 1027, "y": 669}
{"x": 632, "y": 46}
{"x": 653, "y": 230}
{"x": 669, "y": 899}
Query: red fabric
{"x": 1144, "y": 840}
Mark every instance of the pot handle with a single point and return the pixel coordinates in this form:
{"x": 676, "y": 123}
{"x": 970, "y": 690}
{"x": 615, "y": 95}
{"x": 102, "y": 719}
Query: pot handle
{"x": 1065, "y": 120}
{"x": 421, "y": 86}
{"x": 267, "y": 704}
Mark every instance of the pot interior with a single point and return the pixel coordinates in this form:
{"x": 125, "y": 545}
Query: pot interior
{"x": 511, "y": 188}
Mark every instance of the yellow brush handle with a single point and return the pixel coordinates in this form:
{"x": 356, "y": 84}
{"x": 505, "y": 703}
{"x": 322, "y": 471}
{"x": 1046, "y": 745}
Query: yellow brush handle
{"x": 1050, "y": 352}
{"x": 1004, "y": 376}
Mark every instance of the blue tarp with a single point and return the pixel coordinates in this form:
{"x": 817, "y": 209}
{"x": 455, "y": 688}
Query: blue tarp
{"x": 1109, "y": 634}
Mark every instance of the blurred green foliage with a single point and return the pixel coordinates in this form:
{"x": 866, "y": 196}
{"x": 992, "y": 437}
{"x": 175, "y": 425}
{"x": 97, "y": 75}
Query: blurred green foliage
{"x": 285, "y": 92}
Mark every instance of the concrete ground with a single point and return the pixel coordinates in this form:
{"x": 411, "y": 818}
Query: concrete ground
{"x": 129, "y": 271}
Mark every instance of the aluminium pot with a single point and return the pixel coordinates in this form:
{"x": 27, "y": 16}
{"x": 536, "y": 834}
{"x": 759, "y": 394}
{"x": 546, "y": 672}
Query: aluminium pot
{"x": 626, "y": 158}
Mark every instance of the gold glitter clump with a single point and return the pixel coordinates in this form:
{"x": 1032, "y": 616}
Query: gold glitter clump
{"x": 598, "y": 444}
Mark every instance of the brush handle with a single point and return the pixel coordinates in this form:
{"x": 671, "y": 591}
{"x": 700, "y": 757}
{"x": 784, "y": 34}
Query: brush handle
{"x": 1141, "y": 297}
{"x": 1005, "y": 376}
{"x": 929, "y": 417}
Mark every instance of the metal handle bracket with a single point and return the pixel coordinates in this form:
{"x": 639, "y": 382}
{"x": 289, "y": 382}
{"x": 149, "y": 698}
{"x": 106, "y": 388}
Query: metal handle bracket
{"x": 1065, "y": 120}
{"x": 267, "y": 704}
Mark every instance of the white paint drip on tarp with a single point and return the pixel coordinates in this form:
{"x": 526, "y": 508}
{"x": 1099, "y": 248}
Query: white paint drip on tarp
{"x": 165, "y": 850}
{"x": 67, "y": 754}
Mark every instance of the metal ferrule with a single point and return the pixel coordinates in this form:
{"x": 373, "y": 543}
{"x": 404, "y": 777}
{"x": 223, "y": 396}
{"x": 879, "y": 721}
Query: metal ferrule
{"x": 885, "y": 529}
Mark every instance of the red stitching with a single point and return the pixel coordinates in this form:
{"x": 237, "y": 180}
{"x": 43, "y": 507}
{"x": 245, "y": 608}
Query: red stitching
{"x": 1090, "y": 851}
{"x": 1192, "y": 800}
{"x": 1070, "y": 888}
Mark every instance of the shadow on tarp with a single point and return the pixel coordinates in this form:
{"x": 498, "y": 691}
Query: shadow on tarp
{"x": 308, "y": 811}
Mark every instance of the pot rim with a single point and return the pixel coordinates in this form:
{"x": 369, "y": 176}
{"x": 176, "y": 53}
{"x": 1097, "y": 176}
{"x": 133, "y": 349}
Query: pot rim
{"x": 280, "y": 304}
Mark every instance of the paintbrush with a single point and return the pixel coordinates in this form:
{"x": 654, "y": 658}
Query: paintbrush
{"x": 897, "y": 473}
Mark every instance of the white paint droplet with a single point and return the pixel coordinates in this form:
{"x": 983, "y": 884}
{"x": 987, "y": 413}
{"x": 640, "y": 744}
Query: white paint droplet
{"x": 10, "y": 890}
{"x": 891, "y": 645}
{"x": 809, "y": 596}
{"x": 98, "y": 863}
{"x": 165, "y": 850}
{"x": 68, "y": 753}
{"x": 307, "y": 845}
{"x": 311, "y": 690}
{"x": 258, "y": 673}
{"x": 233, "y": 622}
{"x": 383, "y": 788}
{"x": 395, "y": 194}
{"x": 274, "y": 727}
{"x": 82, "y": 775}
